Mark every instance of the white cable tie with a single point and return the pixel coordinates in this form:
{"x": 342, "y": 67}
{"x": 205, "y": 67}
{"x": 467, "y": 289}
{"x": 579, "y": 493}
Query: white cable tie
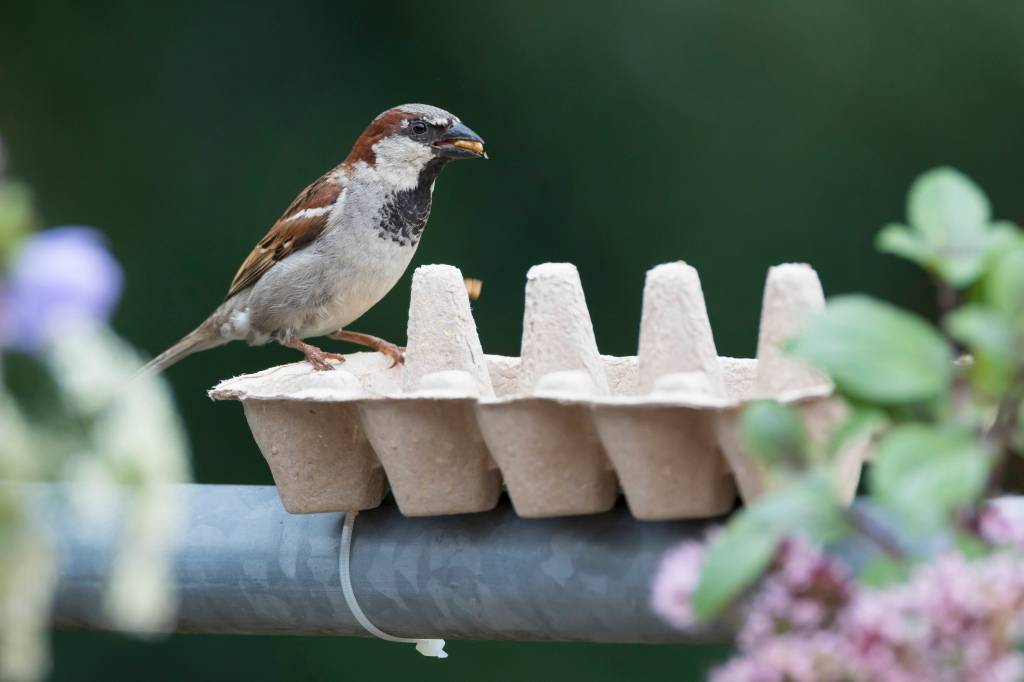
{"x": 428, "y": 647}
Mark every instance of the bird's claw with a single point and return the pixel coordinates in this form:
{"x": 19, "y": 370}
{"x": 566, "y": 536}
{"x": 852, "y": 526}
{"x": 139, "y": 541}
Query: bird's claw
{"x": 319, "y": 364}
{"x": 396, "y": 353}
{"x": 318, "y": 359}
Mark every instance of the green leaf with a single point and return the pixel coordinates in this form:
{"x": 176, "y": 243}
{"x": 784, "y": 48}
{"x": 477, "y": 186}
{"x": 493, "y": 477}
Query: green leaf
{"x": 964, "y": 269}
{"x": 883, "y": 571}
{"x": 1003, "y": 236}
{"x": 864, "y": 422}
{"x": 876, "y": 353}
{"x": 1004, "y": 287}
{"x": 899, "y": 240}
{"x": 950, "y": 215}
{"x": 808, "y": 507}
{"x": 775, "y": 433}
{"x": 950, "y": 233}
{"x": 924, "y": 472}
{"x": 17, "y": 216}
{"x": 991, "y": 340}
{"x": 736, "y": 558}
{"x": 971, "y": 546}
{"x": 1018, "y": 435}
{"x": 739, "y": 555}
{"x": 944, "y": 204}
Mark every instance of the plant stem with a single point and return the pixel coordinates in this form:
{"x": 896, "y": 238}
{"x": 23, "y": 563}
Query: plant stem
{"x": 875, "y": 532}
{"x": 1007, "y": 414}
{"x": 1000, "y": 435}
{"x": 947, "y": 297}
{"x": 947, "y": 301}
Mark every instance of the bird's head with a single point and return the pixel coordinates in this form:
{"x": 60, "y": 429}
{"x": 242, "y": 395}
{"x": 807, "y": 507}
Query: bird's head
{"x": 407, "y": 139}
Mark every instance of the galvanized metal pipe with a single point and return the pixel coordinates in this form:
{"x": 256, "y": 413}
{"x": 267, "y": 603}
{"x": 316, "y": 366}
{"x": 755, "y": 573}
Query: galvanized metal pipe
{"x": 246, "y": 566}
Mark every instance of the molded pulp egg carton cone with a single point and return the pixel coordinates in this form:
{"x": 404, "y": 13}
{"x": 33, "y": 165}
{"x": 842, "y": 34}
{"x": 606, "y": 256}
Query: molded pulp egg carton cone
{"x": 792, "y": 292}
{"x": 661, "y": 439}
{"x": 562, "y": 425}
{"x": 548, "y": 449}
{"x": 427, "y": 436}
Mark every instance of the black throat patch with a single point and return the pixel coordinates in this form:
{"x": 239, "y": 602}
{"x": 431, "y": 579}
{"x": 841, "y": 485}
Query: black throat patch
{"x": 404, "y": 214}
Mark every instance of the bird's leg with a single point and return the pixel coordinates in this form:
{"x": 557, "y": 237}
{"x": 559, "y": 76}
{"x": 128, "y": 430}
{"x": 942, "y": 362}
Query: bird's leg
{"x": 396, "y": 353}
{"x": 314, "y": 356}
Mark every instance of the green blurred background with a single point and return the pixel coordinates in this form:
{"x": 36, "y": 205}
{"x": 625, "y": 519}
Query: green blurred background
{"x": 732, "y": 135}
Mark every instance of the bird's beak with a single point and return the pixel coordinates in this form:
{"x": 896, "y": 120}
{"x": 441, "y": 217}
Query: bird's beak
{"x": 459, "y": 142}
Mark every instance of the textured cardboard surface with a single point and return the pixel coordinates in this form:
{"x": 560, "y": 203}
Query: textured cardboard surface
{"x": 557, "y": 332}
{"x": 442, "y": 334}
{"x": 434, "y": 455}
{"x": 552, "y": 460}
{"x": 562, "y": 425}
{"x": 318, "y": 454}
{"x": 675, "y": 333}
{"x": 427, "y": 437}
{"x": 821, "y": 418}
{"x": 549, "y": 453}
{"x": 667, "y": 460}
{"x": 792, "y": 294}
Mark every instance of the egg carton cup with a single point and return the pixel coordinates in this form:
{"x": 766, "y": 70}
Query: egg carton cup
{"x": 562, "y": 427}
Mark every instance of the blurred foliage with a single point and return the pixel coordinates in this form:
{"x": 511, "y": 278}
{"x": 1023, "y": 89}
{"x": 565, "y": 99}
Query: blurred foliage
{"x": 950, "y": 232}
{"x": 877, "y": 353}
{"x": 943, "y": 431}
{"x": 17, "y": 216}
{"x": 775, "y": 434}
{"x": 622, "y": 135}
{"x": 73, "y": 412}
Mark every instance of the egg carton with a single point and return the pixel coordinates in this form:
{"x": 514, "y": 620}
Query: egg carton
{"x": 562, "y": 426}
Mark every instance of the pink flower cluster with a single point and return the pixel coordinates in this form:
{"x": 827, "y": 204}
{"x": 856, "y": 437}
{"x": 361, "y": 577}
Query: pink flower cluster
{"x": 954, "y": 620}
{"x": 803, "y": 593}
{"x": 809, "y": 621}
{"x": 675, "y": 583}
{"x": 1001, "y": 522}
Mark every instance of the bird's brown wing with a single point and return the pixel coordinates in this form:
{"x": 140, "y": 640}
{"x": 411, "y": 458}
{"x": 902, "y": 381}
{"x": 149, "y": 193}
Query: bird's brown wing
{"x": 292, "y": 231}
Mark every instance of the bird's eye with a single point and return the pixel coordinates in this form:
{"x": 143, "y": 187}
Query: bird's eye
{"x": 418, "y": 127}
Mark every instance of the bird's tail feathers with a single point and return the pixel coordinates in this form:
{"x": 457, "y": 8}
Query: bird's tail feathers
{"x": 201, "y": 338}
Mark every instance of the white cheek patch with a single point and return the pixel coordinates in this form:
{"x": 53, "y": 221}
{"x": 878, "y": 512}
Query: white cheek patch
{"x": 398, "y": 149}
{"x": 399, "y": 160}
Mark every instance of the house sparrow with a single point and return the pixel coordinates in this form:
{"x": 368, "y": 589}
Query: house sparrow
{"x": 342, "y": 244}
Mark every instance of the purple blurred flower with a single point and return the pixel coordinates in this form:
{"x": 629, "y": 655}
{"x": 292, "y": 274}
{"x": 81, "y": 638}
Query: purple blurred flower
{"x": 955, "y": 620}
{"x": 676, "y": 582}
{"x": 1001, "y": 522}
{"x": 805, "y": 592}
{"x": 807, "y": 657}
{"x": 809, "y": 621}
{"x": 59, "y": 276}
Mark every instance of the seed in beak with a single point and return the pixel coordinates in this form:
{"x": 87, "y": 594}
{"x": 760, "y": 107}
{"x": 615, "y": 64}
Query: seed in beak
{"x": 471, "y": 145}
